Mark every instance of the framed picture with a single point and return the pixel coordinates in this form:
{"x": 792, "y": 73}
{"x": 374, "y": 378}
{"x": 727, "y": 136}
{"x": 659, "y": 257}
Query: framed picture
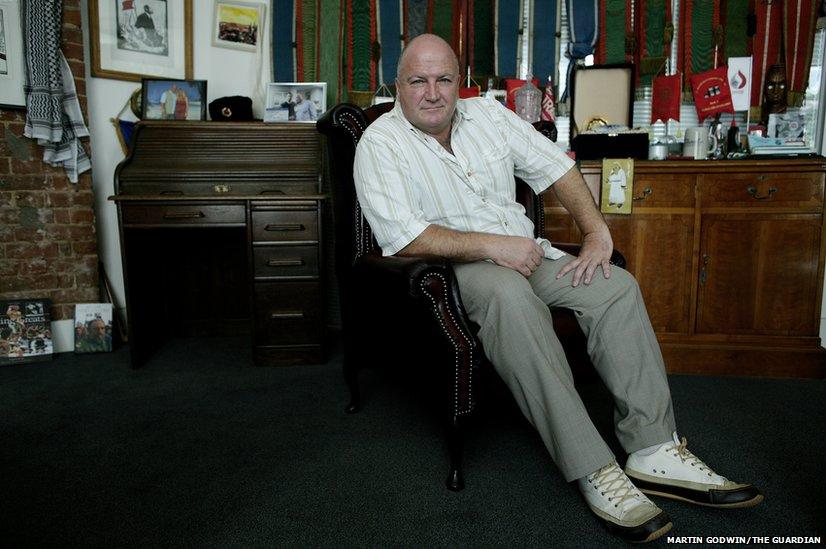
{"x": 167, "y": 99}
{"x": 617, "y": 185}
{"x": 237, "y": 25}
{"x": 134, "y": 39}
{"x": 12, "y": 63}
{"x": 93, "y": 327}
{"x": 25, "y": 331}
{"x": 295, "y": 101}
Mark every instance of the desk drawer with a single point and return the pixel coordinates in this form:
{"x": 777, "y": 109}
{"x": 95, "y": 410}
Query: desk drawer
{"x": 663, "y": 191}
{"x": 762, "y": 190}
{"x": 285, "y": 261}
{"x": 285, "y": 225}
{"x": 287, "y": 313}
{"x": 183, "y": 214}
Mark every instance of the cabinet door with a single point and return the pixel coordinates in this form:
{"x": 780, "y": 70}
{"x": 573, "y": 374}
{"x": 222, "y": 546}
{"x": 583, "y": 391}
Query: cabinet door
{"x": 658, "y": 250}
{"x": 758, "y": 274}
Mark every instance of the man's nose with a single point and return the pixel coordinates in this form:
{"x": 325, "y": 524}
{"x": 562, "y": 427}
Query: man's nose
{"x": 431, "y": 93}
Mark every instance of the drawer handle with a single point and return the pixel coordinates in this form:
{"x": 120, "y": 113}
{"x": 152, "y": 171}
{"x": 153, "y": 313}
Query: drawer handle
{"x": 297, "y": 262}
{"x": 184, "y": 215}
{"x": 753, "y": 192}
{"x": 287, "y": 315}
{"x": 285, "y": 227}
{"x": 646, "y": 192}
{"x": 176, "y": 193}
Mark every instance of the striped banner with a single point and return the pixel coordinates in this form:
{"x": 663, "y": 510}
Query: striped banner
{"x": 390, "y": 37}
{"x": 655, "y": 33}
{"x": 736, "y": 17}
{"x": 283, "y": 40}
{"x": 331, "y": 26}
{"x": 615, "y": 18}
{"x": 506, "y": 28}
{"x": 799, "y": 20}
{"x": 440, "y": 19}
{"x": 306, "y": 37}
{"x": 482, "y": 37}
{"x": 361, "y": 35}
{"x": 415, "y": 18}
{"x": 766, "y": 46}
{"x": 582, "y": 20}
{"x": 701, "y": 30}
{"x": 544, "y": 50}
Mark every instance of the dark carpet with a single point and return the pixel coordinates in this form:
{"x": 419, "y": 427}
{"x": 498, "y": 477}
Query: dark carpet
{"x": 199, "y": 448}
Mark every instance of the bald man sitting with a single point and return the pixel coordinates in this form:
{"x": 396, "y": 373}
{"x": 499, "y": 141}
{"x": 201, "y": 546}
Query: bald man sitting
{"x": 435, "y": 176}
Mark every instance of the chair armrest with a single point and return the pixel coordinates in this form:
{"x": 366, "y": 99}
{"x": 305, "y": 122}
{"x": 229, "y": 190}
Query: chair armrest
{"x": 616, "y": 257}
{"x": 401, "y": 273}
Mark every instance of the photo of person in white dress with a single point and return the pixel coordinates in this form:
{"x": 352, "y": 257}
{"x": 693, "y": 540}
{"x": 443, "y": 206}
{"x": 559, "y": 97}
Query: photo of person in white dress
{"x": 618, "y": 183}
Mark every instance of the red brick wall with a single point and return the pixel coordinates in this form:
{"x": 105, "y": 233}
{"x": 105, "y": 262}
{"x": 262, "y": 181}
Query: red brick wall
{"x": 47, "y": 227}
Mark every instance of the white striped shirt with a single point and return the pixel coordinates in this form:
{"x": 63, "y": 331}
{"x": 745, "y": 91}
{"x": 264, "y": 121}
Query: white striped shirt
{"x": 405, "y": 180}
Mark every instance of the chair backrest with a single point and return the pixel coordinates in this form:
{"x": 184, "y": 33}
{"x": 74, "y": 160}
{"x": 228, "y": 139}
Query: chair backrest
{"x": 343, "y": 126}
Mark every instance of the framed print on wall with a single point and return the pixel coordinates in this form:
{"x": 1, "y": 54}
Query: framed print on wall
{"x": 163, "y": 99}
{"x": 12, "y": 62}
{"x": 135, "y": 39}
{"x": 237, "y": 25}
{"x": 295, "y": 101}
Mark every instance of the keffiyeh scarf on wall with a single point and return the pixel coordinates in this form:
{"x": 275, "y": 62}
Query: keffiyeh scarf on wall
{"x": 53, "y": 114}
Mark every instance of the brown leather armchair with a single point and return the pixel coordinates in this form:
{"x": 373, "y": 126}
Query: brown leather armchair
{"x": 418, "y": 296}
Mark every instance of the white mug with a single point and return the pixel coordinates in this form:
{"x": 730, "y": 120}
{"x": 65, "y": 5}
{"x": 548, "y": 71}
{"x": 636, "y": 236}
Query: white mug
{"x": 698, "y": 144}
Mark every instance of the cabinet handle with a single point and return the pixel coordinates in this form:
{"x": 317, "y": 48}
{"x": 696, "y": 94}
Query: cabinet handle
{"x": 285, "y": 227}
{"x": 646, "y": 192}
{"x": 703, "y": 271}
{"x": 296, "y": 262}
{"x": 753, "y": 192}
{"x": 184, "y": 215}
{"x": 287, "y": 315}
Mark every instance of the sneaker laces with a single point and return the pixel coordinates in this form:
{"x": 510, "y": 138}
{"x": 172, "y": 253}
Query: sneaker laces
{"x": 611, "y": 481}
{"x": 686, "y": 456}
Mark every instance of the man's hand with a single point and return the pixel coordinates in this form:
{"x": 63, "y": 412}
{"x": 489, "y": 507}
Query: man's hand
{"x": 516, "y": 252}
{"x": 596, "y": 252}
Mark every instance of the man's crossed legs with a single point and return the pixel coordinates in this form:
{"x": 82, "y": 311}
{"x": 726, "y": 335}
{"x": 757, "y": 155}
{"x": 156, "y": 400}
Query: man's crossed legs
{"x": 516, "y": 330}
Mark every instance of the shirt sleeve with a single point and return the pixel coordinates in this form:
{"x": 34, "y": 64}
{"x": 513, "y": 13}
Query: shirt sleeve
{"x": 537, "y": 160}
{"x": 389, "y": 203}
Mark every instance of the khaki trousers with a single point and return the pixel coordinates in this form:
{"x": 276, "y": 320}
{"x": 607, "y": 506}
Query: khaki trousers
{"x": 519, "y": 340}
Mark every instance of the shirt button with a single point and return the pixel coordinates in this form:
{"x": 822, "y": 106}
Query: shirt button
{"x": 506, "y": 223}
{"x": 470, "y": 173}
{"x": 484, "y": 200}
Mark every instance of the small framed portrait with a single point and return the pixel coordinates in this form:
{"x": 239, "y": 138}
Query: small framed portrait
{"x": 295, "y": 101}
{"x": 93, "y": 327}
{"x": 237, "y": 25}
{"x": 25, "y": 331}
{"x": 617, "y": 193}
{"x": 134, "y": 39}
{"x": 12, "y": 63}
{"x": 163, "y": 99}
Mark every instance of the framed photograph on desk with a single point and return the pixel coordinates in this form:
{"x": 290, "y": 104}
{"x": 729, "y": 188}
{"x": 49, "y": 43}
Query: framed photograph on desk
{"x": 163, "y": 99}
{"x": 295, "y": 101}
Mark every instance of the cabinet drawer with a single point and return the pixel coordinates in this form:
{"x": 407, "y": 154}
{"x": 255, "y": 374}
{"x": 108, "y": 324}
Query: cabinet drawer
{"x": 285, "y": 225}
{"x": 183, "y": 214}
{"x": 287, "y": 313}
{"x": 285, "y": 261}
{"x": 663, "y": 191}
{"x": 761, "y": 190}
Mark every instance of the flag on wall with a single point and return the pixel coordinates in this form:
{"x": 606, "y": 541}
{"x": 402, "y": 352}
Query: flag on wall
{"x": 799, "y": 20}
{"x": 665, "y": 101}
{"x": 712, "y": 94}
{"x": 547, "y": 112}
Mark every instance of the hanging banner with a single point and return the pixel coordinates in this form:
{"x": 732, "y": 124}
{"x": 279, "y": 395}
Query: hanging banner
{"x": 702, "y": 35}
{"x": 361, "y": 41}
{"x": 735, "y": 21}
{"x": 739, "y": 79}
{"x": 331, "y": 27}
{"x": 666, "y": 98}
{"x": 544, "y": 50}
{"x": 283, "y": 40}
{"x": 481, "y": 31}
{"x": 655, "y": 31}
{"x": 712, "y": 94}
{"x": 507, "y": 25}
{"x": 582, "y": 20}
{"x": 390, "y": 30}
{"x": 799, "y": 20}
{"x": 415, "y": 18}
{"x": 766, "y": 45}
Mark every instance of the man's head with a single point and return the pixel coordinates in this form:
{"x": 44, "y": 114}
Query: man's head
{"x": 148, "y": 9}
{"x": 96, "y": 329}
{"x": 427, "y": 83}
{"x": 298, "y": 98}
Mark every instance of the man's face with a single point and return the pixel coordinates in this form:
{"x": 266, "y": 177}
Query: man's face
{"x": 97, "y": 330}
{"x": 298, "y": 98}
{"x": 428, "y": 87}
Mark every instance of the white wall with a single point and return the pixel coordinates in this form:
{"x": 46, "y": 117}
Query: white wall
{"x": 227, "y": 72}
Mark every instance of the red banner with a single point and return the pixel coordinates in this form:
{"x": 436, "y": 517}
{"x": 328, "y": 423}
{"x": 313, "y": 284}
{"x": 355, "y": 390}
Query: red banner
{"x": 712, "y": 93}
{"x": 665, "y": 103}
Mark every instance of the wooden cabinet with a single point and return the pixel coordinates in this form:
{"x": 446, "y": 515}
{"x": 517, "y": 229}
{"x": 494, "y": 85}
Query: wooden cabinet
{"x": 729, "y": 256}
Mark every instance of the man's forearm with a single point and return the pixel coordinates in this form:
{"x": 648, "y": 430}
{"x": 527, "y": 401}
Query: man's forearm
{"x": 573, "y": 194}
{"x": 444, "y": 242}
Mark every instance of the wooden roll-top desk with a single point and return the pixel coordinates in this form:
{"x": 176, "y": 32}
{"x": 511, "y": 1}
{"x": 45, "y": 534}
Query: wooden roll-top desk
{"x": 220, "y": 228}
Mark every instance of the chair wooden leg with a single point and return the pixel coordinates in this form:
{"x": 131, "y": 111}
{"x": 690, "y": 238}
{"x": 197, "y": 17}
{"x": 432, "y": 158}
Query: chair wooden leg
{"x": 455, "y": 447}
{"x": 351, "y": 378}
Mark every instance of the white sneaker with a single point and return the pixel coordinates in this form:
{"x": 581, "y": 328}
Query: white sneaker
{"x": 674, "y": 472}
{"x": 623, "y": 509}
